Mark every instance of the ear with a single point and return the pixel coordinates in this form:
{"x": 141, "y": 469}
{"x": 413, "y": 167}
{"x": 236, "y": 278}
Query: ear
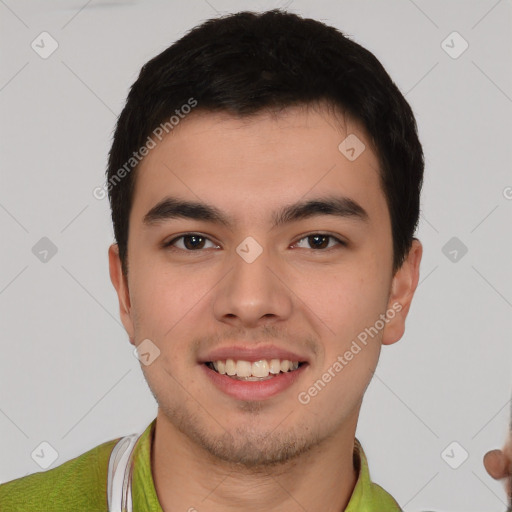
{"x": 123, "y": 294}
{"x": 403, "y": 286}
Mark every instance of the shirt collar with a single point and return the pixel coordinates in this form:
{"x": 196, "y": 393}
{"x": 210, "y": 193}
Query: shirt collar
{"x": 366, "y": 496}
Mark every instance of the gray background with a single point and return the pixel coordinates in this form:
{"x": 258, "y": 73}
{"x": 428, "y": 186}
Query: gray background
{"x": 67, "y": 372}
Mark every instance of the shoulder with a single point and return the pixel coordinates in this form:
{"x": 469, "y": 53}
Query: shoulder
{"x": 381, "y": 498}
{"x": 368, "y": 495}
{"x": 79, "y": 484}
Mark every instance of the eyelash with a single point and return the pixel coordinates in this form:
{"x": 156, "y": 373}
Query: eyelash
{"x": 169, "y": 245}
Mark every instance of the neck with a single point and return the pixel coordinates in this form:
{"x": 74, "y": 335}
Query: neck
{"x": 188, "y": 478}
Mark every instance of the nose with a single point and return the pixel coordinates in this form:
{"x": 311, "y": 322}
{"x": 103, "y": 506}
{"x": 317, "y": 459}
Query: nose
{"x": 253, "y": 293}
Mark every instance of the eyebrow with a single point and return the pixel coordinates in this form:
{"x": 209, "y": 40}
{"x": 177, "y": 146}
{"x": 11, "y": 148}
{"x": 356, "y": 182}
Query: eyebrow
{"x": 337, "y": 206}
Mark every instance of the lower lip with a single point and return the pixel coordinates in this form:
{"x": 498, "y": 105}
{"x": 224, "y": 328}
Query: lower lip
{"x": 253, "y": 390}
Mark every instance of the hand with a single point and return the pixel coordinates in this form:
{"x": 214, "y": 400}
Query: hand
{"x": 498, "y": 464}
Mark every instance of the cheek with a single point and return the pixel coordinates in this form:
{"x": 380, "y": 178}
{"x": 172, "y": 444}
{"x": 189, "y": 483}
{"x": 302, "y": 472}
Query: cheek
{"x": 158, "y": 302}
{"x": 347, "y": 299}
{"x": 350, "y": 308}
{"x": 169, "y": 307}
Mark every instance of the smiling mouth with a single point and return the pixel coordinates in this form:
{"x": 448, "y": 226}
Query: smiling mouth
{"x": 254, "y": 371}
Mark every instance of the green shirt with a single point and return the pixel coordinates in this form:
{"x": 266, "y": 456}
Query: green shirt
{"x": 80, "y": 484}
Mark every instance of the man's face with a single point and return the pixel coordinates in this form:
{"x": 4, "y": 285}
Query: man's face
{"x": 257, "y": 289}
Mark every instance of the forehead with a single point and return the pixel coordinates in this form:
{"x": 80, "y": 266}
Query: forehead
{"x": 251, "y": 165}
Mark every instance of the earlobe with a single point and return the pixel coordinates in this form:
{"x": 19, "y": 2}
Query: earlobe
{"x": 403, "y": 286}
{"x": 120, "y": 284}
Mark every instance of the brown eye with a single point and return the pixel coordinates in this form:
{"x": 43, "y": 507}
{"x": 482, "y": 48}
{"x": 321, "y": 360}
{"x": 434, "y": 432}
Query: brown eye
{"x": 191, "y": 242}
{"x": 321, "y": 241}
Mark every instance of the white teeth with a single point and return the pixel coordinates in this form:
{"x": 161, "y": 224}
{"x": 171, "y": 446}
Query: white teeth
{"x": 230, "y": 367}
{"x": 243, "y": 368}
{"x": 261, "y": 368}
{"x": 275, "y": 366}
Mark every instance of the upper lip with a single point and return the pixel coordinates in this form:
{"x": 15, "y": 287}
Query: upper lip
{"x": 251, "y": 354}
